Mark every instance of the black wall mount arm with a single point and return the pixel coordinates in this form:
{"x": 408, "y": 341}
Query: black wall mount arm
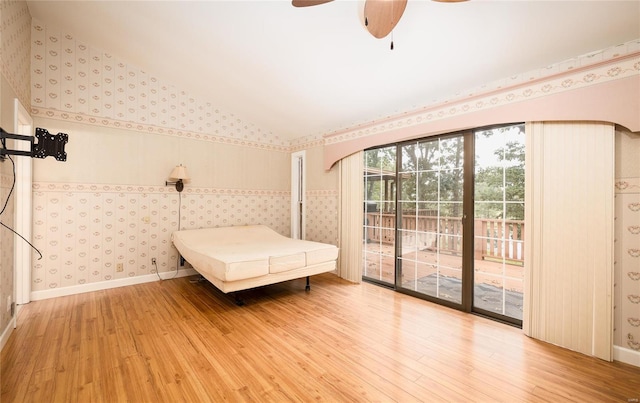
{"x": 47, "y": 145}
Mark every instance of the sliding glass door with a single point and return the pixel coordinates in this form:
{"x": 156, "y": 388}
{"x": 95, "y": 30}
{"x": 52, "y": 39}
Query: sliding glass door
{"x": 499, "y": 221}
{"x": 430, "y": 209}
{"x": 444, "y": 219}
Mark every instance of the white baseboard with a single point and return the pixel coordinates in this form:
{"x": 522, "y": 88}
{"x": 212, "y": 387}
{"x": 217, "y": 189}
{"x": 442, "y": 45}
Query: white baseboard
{"x": 626, "y": 355}
{"x": 7, "y": 332}
{"x": 105, "y": 285}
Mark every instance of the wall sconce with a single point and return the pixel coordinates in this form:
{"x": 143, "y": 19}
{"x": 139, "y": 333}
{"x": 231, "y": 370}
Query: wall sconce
{"x": 177, "y": 177}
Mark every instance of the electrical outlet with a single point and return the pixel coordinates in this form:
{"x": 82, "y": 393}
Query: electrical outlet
{"x": 119, "y": 267}
{"x": 153, "y": 260}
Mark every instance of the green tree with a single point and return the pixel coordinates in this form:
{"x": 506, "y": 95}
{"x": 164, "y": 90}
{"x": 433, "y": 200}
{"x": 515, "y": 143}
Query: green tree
{"x": 380, "y": 167}
{"x": 503, "y": 180}
{"x": 432, "y": 172}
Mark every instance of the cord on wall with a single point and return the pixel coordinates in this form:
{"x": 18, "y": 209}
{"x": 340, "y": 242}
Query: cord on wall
{"x": 155, "y": 263}
{"x": 179, "y": 209}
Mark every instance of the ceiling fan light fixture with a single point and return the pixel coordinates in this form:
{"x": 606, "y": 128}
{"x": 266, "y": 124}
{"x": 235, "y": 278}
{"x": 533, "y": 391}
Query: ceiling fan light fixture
{"x": 380, "y": 16}
{"x": 308, "y": 3}
{"x": 383, "y": 15}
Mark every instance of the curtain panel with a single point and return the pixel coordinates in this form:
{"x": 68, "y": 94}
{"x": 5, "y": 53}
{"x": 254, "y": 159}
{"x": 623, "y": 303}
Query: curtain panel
{"x": 350, "y": 216}
{"x": 569, "y": 193}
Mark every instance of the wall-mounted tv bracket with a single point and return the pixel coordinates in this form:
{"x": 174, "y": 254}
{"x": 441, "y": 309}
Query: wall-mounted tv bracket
{"x": 47, "y": 145}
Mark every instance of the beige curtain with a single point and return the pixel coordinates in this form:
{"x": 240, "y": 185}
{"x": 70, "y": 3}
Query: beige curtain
{"x": 569, "y": 235}
{"x": 350, "y": 216}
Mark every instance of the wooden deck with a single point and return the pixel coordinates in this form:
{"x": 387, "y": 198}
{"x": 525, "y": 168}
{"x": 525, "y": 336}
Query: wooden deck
{"x": 494, "y": 238}
{"x": 175, "y": 341}
{"x": 498, "y": 286}
{"x": 486, "y": 271}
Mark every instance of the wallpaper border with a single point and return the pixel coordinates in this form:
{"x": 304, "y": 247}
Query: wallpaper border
{"x": 95, "y": 187}
{"x": 322, "y": 193}
{"x": 102, "y": 188}
{"x": 151, "y": 129}
{"x": 305, "y": 143}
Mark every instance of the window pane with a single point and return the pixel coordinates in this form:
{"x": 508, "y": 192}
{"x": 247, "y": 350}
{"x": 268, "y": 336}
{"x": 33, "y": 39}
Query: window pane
{"x": 452, "y": 153}
{"x": 452, "y": 210}
{"x": 488, "y": 210}
{"x": 451, "y": 185}
{"x": 408, "y": 246}
{"x": 409, "y": 158}
{"x": 371, "y": 265}
{"x": 498, "y": 221}
{"x": 428, "y": 186}
{"x": 428, "y": 156}
{"x": 514, "y": 211}
{"x": 379, "y": 214}
{"x": 514, "y": 183}
{"x": 408, "y": 186}
{"x": 432, "y": 233}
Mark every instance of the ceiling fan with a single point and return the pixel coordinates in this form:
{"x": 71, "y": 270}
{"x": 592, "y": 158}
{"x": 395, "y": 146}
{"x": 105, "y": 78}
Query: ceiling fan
{"x": 380, "y": 16}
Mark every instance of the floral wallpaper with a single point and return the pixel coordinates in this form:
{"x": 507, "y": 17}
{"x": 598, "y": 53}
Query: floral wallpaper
{"x": 72, "y": 80}
{"x": 85, "y": 231}
{"x": 628, "y": 262}
{"x": 15, "y": 32}
{"x": 6, "y": 245}
{"x": 15, "y": 23}
{"x": 322, "y": 216}
{"x": 627, "y": 241}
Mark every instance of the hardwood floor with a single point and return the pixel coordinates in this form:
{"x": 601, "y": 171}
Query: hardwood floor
{"x": 180, "y": 341}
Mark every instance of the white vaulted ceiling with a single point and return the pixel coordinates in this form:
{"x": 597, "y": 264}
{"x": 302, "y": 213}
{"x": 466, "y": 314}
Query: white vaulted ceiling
{"x": 310, "y": 71}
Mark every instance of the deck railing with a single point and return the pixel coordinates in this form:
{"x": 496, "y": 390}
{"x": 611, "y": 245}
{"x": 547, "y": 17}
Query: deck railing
{"x": 493, "y": 239}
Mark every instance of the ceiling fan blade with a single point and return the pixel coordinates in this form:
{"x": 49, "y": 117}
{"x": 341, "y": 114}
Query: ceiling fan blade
{"x": 381, "y": 16}
{"x": 307, "y": 3}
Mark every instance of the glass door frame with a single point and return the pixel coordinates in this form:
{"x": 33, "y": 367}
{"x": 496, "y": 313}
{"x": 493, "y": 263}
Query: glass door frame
{"x": 470, "y": 254}
{"x": 468, "y": 238}
{"x": 467, "y": 225}
{"x": 393, "y": 188}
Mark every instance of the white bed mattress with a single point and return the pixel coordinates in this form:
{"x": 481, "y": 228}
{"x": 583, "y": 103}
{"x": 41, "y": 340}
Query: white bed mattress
{"x": 244, "y": 252}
